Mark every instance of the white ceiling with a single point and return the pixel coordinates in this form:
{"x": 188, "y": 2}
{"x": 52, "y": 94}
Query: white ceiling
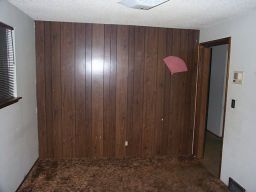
{"x": 175, "y": 13}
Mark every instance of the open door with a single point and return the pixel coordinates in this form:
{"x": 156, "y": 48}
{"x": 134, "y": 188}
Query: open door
{"x": 204, "y": 62}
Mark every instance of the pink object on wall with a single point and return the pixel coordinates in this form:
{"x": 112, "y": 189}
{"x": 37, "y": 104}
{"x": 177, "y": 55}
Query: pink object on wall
{"x": 175, "y": 64}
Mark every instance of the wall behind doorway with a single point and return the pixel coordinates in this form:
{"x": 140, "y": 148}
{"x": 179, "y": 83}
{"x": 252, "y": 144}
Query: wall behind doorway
{"x": 217, "y": 88}
{"x": 239, "y": 157}
{"x": 101, "y": 85}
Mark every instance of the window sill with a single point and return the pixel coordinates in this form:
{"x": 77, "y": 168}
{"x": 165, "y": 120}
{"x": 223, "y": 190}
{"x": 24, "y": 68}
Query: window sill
{"x": 9, "y": 102}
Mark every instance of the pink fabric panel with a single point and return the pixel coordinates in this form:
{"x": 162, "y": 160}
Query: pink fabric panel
{"x": 175, "y": 64}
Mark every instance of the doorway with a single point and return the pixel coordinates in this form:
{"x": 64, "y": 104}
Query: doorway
{"x": 212, "y": 82}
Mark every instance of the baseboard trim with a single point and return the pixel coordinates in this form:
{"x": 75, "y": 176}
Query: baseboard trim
{"x": 27, "y": 174}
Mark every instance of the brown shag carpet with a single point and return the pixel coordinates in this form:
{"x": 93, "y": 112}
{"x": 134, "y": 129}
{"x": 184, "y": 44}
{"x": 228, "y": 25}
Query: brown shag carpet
{"x": 131, "y": 175}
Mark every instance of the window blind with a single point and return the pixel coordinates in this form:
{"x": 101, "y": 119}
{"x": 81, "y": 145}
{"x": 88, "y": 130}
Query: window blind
{"x": 7, "y": 64}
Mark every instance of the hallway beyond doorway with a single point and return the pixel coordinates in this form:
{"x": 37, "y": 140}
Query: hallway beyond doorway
{"x": 212, "y": 151}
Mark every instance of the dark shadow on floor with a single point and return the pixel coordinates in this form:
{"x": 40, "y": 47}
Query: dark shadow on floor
{"x": 212, "y": 153}
{"x": 129, "y": 175}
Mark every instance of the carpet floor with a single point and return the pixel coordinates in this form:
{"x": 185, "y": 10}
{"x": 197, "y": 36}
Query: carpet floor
{"x": 130, "y": 175}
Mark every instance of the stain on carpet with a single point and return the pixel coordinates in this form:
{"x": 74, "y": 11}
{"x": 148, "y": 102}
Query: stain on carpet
{"x": 129, "y": 175}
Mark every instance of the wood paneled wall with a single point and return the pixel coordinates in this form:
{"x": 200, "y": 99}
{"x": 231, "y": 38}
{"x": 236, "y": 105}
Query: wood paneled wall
{"x": 101, "y": 85}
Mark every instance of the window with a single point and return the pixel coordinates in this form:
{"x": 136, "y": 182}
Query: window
{"x": 7, "y": 67}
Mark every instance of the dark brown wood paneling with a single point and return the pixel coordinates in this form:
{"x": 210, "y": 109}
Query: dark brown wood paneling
{"x": 68, "y": 88}
{"x": 48, "y": 88}
{"x": 40, "y": 83}
{"x": 130, "y": 91}
{"x": 56, "y": 90}
{"x": 101, "y": 85}
{"x": 135, "y": 142}
{"x": 176, "y": 98}
{"x": 149, "y": 97}
{"x": 167, "y": 126}
{"x": 121, "y": 89}
{"x": 185, "y": 135}
{"x": 88, "y": 90}
{"x": 80, "y": 128}
{"x": 160, "y": 79}
{"x": 190, "y": 101}
{"x": 107, "y": 100}
{"x": 97, "y": 88}
{"x": 113, "y": 68}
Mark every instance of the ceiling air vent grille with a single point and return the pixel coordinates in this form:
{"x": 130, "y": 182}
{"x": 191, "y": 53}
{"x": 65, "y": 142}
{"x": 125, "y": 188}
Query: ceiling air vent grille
{"x": 142, "y": 4}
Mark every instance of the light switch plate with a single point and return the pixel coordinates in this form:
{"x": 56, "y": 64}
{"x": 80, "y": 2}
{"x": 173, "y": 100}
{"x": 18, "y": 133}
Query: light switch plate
{"x": 238, "y": 77}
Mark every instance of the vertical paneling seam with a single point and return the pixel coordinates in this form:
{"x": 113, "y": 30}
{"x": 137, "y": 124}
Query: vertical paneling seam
{"x": 154, "y": 149}
{"x": 116, "y": 63}
{"x": 74, "y": 26}
{"x": 53, "y": 153}
{"x": 104, "y": 63}
{"x": 143, "y": 106}
{"x": 84, "y": 100}
{"x": 61, "y": 86}
{"x": 46, "y": 128}
{"x": 127, "y": 89}
{"x": 92, "y": 145}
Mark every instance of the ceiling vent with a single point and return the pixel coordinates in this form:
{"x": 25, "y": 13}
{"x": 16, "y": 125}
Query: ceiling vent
{"x": 142, "y": 4}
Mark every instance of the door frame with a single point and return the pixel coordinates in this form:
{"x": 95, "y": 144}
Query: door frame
{"x": 199, "y": 130}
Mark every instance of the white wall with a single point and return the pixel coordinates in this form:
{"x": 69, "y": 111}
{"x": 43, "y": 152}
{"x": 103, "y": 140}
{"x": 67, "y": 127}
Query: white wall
{"x": 217, "y": 89}
{"x": 239, "y": 150}
{"x": 18, "y": 122}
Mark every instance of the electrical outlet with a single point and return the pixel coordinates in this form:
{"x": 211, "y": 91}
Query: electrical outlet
{"x": 126, "y": 143}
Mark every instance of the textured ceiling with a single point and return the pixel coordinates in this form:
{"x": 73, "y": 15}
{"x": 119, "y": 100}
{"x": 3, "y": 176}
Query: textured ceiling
{"x": 175, "y": 13}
